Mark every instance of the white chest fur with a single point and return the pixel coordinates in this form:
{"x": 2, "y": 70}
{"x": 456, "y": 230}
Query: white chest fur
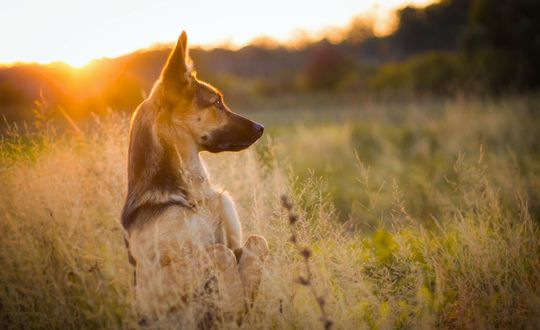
{"x": 213, "y": 220}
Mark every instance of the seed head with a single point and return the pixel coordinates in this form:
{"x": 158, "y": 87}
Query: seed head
{"x": 286, "y": 204}
{"x": 292, "y": 219}
{"x": 304, "y": 281}
{"x": 306, "y": 253}
{"x": 328, "y": 324}
{"x": 293, "y": 238}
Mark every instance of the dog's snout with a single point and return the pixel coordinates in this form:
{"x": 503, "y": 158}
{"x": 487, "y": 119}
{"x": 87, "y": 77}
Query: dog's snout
{"x": 258, "y": 128}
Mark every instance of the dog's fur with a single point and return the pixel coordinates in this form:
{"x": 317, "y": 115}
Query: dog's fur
{"x": 173, "y": 217}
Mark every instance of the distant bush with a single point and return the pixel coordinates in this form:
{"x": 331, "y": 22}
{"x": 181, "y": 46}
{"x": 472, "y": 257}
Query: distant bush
{"x": 429, "y": 73}
{"x": 327, "y": 68}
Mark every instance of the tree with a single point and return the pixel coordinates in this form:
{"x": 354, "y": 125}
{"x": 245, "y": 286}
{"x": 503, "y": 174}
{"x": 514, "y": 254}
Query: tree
{"x": 439, "y": 26}
{"x": 327, "y": 67}
{"x": 507, "y": 32}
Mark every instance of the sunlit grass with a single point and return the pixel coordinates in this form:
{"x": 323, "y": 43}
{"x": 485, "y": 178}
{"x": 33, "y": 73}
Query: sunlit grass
{"x": 424, "y": 216}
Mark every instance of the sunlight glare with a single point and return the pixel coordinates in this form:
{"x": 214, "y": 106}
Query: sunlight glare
{"x": 76, "y": 32}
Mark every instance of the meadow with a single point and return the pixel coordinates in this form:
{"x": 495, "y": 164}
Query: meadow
{"x": 419, "y": 215}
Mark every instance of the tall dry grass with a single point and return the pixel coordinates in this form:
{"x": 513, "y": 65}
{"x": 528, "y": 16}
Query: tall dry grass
{"x": 472, "y": 260}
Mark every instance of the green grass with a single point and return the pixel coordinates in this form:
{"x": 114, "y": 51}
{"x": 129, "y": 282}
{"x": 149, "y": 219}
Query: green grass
{"x": 369, "y": 156}
{"x": 419, "y": 216}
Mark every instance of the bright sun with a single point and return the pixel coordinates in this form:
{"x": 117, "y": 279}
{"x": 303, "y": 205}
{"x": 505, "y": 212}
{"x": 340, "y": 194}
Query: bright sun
{"x": 78, "y": 62}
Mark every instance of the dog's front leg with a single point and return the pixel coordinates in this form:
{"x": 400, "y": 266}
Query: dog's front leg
{"x": 251, "y": 265}
{"x": 231, "y": 224}
{"x": 251, "y": 256}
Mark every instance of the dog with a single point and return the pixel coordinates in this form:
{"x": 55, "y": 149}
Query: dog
{"x": 183, "y": 234}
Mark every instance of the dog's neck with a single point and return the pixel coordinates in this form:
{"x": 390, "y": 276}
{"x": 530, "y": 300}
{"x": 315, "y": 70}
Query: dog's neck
{"x": 190, "y": 165}
{"x": 163, "y": 167}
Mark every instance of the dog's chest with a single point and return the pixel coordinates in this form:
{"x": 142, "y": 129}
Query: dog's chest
{"x": 202, "y": 225}
{"x": 178, "y": 226}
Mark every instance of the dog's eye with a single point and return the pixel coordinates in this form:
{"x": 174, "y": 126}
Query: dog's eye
{"x": 218, "y": 104}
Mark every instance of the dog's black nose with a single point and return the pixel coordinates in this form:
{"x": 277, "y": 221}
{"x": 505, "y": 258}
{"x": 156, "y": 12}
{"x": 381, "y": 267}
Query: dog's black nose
{"x": 258, "y": 128}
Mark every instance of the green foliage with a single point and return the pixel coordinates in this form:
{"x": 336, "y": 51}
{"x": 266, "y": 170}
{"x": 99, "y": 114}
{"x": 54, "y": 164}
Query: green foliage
{"x": 383, "y": 246}
{"x": 407, "y": 153}
{"x": 432, "y": 73}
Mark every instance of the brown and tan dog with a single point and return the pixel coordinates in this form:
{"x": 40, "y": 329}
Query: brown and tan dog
{"x": 183, "y": 234}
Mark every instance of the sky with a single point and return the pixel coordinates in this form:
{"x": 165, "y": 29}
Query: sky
{"x": 75, "y": 31}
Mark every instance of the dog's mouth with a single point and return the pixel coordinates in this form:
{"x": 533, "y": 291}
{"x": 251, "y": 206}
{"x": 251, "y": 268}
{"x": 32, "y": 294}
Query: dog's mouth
{"x": 238, "y": 135}
{"x": 235, "y": 146}
{"x": 229, "y": 146}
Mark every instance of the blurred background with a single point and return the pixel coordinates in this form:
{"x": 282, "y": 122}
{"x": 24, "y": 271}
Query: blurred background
{"x": 393, "y": 51}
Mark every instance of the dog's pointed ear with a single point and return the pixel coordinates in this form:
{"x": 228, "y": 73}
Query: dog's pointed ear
{"x": 178, "y": 66}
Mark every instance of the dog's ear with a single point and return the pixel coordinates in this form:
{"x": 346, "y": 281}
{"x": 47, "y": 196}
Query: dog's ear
{"x": 178, "y": 67}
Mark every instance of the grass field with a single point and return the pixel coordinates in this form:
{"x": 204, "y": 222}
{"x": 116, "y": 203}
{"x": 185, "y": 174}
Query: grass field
{"x": 422, "y": 215}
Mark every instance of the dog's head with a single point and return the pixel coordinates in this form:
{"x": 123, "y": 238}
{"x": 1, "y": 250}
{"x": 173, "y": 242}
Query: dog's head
{"x": 195, "y": 109}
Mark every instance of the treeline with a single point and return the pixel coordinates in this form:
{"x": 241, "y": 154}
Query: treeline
{"x": 453, "y": 46}
{"x": 478, "y": 46}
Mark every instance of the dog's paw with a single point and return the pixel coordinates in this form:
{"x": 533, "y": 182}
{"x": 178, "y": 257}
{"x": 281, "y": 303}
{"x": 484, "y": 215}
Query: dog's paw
{"x": 257, "y": 245}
